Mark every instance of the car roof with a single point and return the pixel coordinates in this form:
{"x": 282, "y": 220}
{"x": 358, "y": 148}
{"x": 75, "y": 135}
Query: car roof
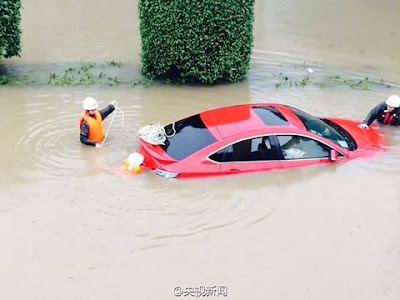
{"x": 238, "y": 119}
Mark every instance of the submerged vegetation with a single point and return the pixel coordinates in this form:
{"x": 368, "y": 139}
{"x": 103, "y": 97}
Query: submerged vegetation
{"x": 114, "y": 74}
{"x": 331, "y": 81}
{"x": 115, "y": 63}
{"x": 3, "y": 79}
{"x": 88, "y": 74}
{"x": 84, "y": 74}
{"x": 16, "y": 81}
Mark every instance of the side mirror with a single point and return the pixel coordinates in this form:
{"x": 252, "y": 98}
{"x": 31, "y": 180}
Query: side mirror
{"x": 334, "y": 155}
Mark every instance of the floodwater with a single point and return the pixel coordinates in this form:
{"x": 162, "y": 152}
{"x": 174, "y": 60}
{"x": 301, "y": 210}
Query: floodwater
{"x": 74, "y": 227}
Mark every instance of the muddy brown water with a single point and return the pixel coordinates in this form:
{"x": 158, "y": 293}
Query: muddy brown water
{"x": 74, "y": 228}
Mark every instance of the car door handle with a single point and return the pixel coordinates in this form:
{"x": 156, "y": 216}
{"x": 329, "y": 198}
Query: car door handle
{"x": 234, "y": 170}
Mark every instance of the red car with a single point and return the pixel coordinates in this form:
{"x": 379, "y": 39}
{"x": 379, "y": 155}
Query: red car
{"x": 254, "y": 137}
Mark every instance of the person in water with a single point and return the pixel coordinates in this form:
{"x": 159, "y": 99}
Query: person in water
{"x": 91, "y": 122}
{"x": 387, "y": 113}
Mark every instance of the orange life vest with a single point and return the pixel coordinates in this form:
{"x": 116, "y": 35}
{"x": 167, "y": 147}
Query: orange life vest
{"x": 96, "y": 131}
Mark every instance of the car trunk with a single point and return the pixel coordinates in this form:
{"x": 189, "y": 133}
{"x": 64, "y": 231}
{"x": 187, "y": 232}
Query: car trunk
{"x": 154, "y": 155}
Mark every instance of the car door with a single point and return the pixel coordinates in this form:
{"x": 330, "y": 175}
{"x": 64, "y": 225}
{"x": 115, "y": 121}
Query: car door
{"x": 298, "y": 150}
{"x": 252, "y": 154}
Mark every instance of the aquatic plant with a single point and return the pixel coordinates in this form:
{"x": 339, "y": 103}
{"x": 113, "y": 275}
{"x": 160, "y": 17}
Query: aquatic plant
{"x": 115, "y": 63}
{"x": 10, "y": 31}
{"x": 363, "y": 83}
{"x": 113, "y": 81}
{"x": 77, "y": 74}
{"x": 65, "y": 79}
{"x": 86, "y": 74}
{"x": 4, "y": 79}
{"x": 330, "y": 82}
{"x": 204, "y": 41}
{"x": 102, "y": 75}
{"x": 86, "y": 67}
{"x": 286, "y": 82}
{"x": 87, "y": 79}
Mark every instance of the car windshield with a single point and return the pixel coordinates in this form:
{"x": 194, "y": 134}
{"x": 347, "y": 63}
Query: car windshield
{"x": 318, "y": 127}
{"x": 350, "y": 140}
{"x": 186, "y": 137}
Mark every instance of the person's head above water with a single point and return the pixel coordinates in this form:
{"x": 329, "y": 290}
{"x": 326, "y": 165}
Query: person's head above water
{"x": 90, "y": 105}
{"x": 393, "y": 102}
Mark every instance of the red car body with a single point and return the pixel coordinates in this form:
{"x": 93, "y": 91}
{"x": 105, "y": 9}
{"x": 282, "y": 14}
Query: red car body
{"x": 210, "y": 143}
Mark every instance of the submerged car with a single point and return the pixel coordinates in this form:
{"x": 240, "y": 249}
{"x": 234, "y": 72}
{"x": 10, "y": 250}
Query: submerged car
{"x": 255, "y": 137}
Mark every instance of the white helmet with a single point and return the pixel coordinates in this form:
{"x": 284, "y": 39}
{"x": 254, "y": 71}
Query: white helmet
{"x": 393, "y": 101}
{"x": 90, "y": 104}
{"x": 135, "y": 159}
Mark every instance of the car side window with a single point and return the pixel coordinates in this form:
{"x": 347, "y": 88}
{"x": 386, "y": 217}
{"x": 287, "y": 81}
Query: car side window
{"x": 255, "y": 149}
{"x": 299, "y": 147}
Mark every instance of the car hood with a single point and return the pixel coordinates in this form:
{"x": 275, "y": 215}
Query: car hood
{"x": 365, "y": 138}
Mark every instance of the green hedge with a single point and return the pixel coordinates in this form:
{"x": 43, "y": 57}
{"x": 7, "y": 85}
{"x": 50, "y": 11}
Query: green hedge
{"x": 10, "y": 32}
{"x": 196, "y": 40}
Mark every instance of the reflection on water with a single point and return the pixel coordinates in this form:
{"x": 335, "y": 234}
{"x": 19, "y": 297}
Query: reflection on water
{"x": 76, "y": 227}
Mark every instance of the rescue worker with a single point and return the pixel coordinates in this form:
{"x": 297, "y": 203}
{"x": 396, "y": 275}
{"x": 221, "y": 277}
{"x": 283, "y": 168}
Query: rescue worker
{"x": 387, "y": 113}
{"x": 91, "y": 122}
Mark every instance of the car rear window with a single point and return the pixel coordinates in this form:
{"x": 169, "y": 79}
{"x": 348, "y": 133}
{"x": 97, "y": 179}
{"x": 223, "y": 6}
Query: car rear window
{"x": 270, "y": 116}
{"x": 191, "y": 135}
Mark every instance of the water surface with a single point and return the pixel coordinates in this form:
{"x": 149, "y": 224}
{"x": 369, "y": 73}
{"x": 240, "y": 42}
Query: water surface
{"x": 74, "y": 227}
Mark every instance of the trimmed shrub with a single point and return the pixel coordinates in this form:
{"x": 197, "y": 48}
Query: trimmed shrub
{"x": 196, "y": 40}
{"x": 10, "y": 32}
